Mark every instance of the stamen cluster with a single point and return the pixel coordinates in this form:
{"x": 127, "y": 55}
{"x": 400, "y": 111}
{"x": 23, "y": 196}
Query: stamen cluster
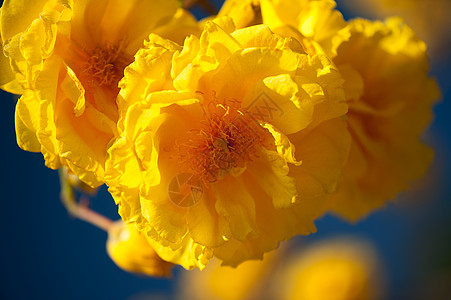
{"x": 227, "y": 139}
{"x": 106, "y": 64}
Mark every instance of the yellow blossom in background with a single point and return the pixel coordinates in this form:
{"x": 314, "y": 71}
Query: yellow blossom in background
{"x": 130, "y": 250}
{"x": 67, "y": 58}
{"x": 387, "y": 115}
{"x": 247, "y": 281}
{"x": 228, "y": 144}
{"x": 429, "y": 18}
{"x": 343, "y": 268}
{"x": 388, "y": 90}
{"x": 337, "y": 269}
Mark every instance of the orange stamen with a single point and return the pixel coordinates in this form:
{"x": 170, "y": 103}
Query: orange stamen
{"x": 228, "y": 138}
{"x": 106, "y": 64}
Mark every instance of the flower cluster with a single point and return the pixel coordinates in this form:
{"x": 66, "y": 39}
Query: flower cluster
{"x": 224, "y": 137}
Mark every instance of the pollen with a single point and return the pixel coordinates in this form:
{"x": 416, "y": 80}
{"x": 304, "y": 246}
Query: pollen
{"x": 106, "y": 64}
{"x": 227, "y": 140}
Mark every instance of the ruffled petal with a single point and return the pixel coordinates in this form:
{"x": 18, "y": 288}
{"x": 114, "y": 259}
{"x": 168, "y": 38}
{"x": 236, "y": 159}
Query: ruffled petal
{"x": 190, "y": 255}
{"x": 246, "y": 68}
{"x": 26, "y": 123}
{"x": 283, "y": 145}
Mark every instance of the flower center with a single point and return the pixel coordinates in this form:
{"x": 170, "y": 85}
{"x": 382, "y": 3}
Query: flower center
{"x": 227, "y": 139}
{"x": 107, "y": 63}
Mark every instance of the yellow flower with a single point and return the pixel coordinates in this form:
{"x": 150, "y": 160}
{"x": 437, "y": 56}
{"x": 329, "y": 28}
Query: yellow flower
{"x": 388, "y": 112}
{"x": 247, "y": 281}
{"x": 67, "y": 58}
{"x": 340, "y": 269}
{"x": 306, "y": 20}
{"x": 335, "y": 269}
{"x": 205, "y": 163}
{"x": 131, "y": 252}
{"x": 243, "y": 12}
{"x": 418, "y": 14}
{"x": 385, "y": 67}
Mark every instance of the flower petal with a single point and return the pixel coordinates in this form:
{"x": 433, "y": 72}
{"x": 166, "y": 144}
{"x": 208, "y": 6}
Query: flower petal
{"x": 323, "y": 152}
{"x": 26, "y": 123}
{"x": 236, "y": 206}
{"x": 271, "y": 173}
{"x": 17, "y": 15}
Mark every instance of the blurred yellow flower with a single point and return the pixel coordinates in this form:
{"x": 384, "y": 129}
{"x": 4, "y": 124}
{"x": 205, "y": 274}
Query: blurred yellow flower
{"x": 67, "y": 58}
{"x": 388, "y": 113}
{"x": 385, "y": 68}
{"x": 130, "y": 250}
{"x": 338, "y": 269}
{"x": 205, "y": 163}
{"x": 429, "y": 18}
{"x": 341, "y": 268}
{"x": 250, "y": 280}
